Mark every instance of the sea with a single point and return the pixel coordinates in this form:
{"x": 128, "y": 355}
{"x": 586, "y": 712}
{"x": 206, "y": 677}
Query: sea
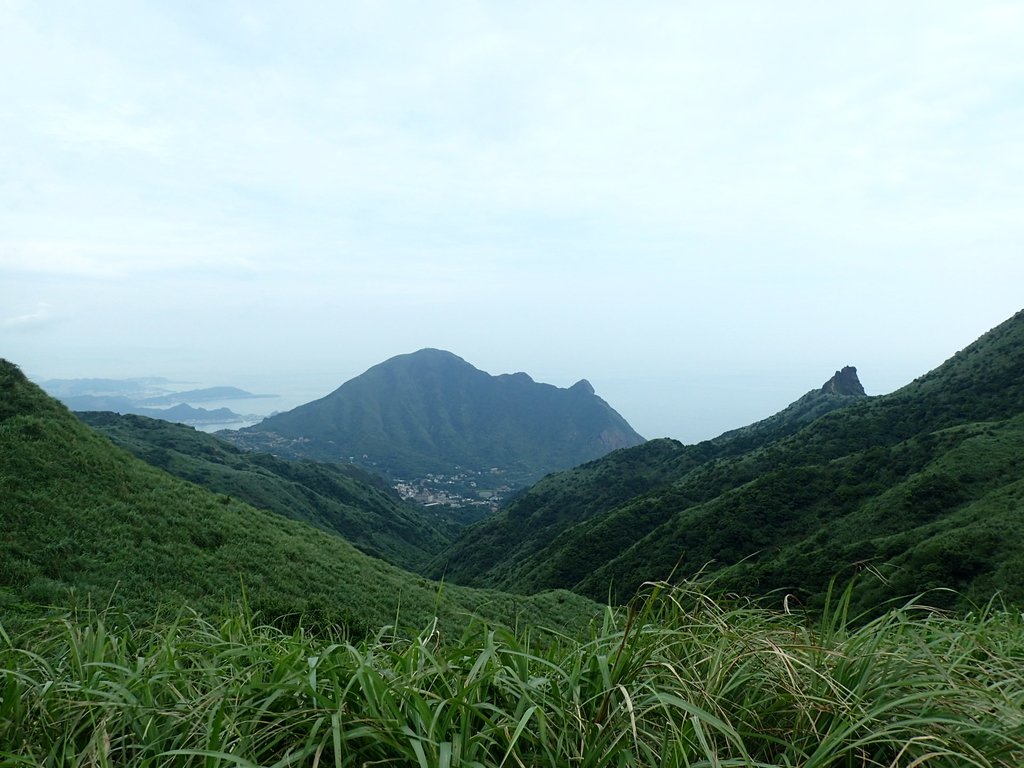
{"x": 254, "y": 409}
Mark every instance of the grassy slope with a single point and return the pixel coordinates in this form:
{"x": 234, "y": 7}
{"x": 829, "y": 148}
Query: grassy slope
{"x": 923, "y": 482}
{"x": 678, "y": 680}
{"x": 930, "y": 512}
{"x": 88, "y": 523}
{"x": 925, "y": 479}
{"x": 514, "y": 547}
{"x": 339, "y": 499}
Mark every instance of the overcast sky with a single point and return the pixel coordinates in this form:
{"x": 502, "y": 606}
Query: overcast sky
{"x": 704, "y": 208}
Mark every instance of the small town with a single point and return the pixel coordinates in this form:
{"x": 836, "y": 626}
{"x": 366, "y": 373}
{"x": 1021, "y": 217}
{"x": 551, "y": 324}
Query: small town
{"x": 465, "y": 488}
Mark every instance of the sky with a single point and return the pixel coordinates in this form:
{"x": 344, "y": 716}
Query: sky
{"x": 703, "y": 208}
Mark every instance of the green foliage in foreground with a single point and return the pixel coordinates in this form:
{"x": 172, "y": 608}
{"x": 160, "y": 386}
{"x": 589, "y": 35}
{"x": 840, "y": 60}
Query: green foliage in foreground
{"x": 677, "y": 680}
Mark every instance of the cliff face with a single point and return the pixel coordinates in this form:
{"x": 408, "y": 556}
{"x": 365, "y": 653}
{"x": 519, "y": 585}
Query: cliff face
{"x": 844, "y": 382}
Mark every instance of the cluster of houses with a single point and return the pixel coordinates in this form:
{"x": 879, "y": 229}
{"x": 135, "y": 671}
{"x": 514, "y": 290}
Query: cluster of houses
{"x": 464, "y": 488}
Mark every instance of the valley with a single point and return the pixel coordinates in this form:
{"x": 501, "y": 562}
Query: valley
{"x": 511, "y": 385}
{"x": 862, "y": 543}
{"x": 478, "y": 493}
{"x": 922, "y": 487}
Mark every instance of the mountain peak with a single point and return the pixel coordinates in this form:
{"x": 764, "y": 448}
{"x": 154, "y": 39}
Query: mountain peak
{"x": 432, "y": 412}
{"x": 582, "y": 386}
{"x": 844, "y": 382}
{"x": 519, "y": 377}
{"x": 429, "y": 353}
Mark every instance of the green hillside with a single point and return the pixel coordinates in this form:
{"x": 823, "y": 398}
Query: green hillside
{"x": 340, "y": 499}
{"x": 88, "y": 524}
{"x": 432, "y": 412}
{"x": 512, "y": 547}
{"x": 680, "y": 677}
{"x": 924, "y": 485}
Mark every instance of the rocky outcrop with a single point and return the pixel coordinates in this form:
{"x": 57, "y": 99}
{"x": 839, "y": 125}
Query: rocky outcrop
{"x": 844, "y": 382}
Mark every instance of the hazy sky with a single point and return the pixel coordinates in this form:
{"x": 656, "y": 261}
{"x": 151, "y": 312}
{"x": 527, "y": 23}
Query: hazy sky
{"x": 704, "y": 208}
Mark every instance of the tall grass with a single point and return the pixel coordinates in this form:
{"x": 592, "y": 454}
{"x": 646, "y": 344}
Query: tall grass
{"x": 676, "y": 680}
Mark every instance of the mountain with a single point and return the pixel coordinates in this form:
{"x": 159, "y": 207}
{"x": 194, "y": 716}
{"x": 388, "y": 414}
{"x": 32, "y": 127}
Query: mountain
{"x": 205, "y": 395}
{"x": 341, "y": 499}
{"x": 432, "y": 412}
{"x": 180, "y": 413}
{"x": 925, "y": 485}
{"x": 843, "y": 389}
{"x": 510, "y": 547}
{"x": 87, "y": 524}
{"x": 149, "y": 397}
{"x": 134, "y": 389}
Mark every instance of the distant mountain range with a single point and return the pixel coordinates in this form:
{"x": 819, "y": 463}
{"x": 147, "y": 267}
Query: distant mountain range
{"x": 432, "y": 412}
{"x": 204, "y": 395}
{"x": 924, "y": 486}
{"x": 151, "y": 397}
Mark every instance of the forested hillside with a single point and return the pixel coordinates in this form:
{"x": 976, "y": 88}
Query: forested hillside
{"x": 925, "y": 485}
{"x": 512, "y": 540}
{"x": 88, "y": 525}
{"x": 338, "y": 498}
{"x": 256, "y": 640}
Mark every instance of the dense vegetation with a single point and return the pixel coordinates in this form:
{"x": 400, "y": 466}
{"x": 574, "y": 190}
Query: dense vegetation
{"x": 678, "y": 680}
{"x": 88, "y": 524}
{"x": 147, "y": 621}
{"x": 338, "y": 498}
{"x": 926, "y": 484}
{"x": 513, "y": 540}
{"x": 432, "y": 412}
